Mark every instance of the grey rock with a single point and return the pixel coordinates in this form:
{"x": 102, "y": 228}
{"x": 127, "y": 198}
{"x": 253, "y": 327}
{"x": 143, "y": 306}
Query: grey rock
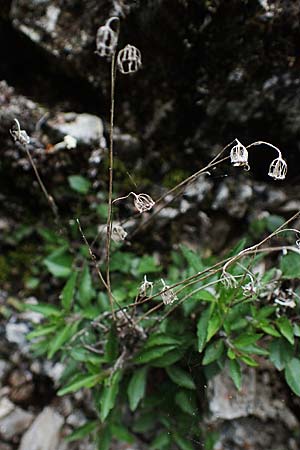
{"x": 15, "y": 423}
{"x": 4, "y": 369}
{"x": 44, "y": 433}
{"x": 16, "y": 333}
{"x": 6, "y": 407}
{"x": 85, "y": 128}
{"x": 226, "y": 402}
{"x": 256, "y": 398}
{"x": 252, "y": 434}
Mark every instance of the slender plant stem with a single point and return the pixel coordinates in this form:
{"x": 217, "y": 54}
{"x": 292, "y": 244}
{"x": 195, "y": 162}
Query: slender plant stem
{"x": 110, "y": 182}
{"x": 49, "y": 198}
{"x": 92, "y": 255}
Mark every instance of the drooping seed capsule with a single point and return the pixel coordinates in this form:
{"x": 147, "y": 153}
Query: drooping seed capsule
{"x": 168, "y": 295}
{"x": 143, "y": 202}
{"x": 239, "y": 155}
{"x": 278, "y": 169}
{"x": 118, "y": 234}
{"x": 145, "y": 287}
{"x": 20, "y": 135}
{"x": 107, "y": 38}
{"x": 129, "y": 59}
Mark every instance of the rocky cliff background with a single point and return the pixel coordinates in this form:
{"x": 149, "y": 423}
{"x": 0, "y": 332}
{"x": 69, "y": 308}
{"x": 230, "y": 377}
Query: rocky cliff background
{"x": 212, "y": 71}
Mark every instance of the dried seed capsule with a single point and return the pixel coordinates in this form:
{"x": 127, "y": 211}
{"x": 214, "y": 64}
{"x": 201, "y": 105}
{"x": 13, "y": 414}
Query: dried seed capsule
{"x": 143, "y": 202}
{"x": 144, "y": 287}
{"x": 129, "y": 59}
{"x": 168, "y": 295}
{"x": 239, "y": 155}
{"x": 20, "y": 135}
{"x": 278, "y": 169}
{"x": 118, "y": 234}
{"x": 107, "y": 38}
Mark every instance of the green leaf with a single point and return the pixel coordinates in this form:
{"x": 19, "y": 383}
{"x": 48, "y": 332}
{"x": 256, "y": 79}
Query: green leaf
{"x": 249, "y": 361}
{"x": 161, "y": 441}
{"x": 136, "y": 387}
{"x": 44, "y": 309}
{"x": 214, "y": 325}
{"x": 286, "y": 328}
{"x": 186, "y": 402}
{"x": 182, "y": 443}
{"x": 192, "y": 258}
{"x": 290, "y": 265}
{"x": 79, "y": 382}
{"x": 235, "y": 373}
{"x": 109, "y": 395}
{"x": 41, "y": 331}
{"x": 121, "y": 433}
{"x": 168, "y": 358}
{"x": 255, "y": 349}
{"x": 82, "y": 431}
{"x": 104, "y": 439}
{"x": 112, "y": 346}
{"x": 68, "y": 292}
{"x": 292, "y": 375}
{"x": 151, "y": 354}
{"x": 281, "y": 352}
{"x": 202, "y": 329}
{"x": 204, "y": 295}
{"x": 32, "y": 283}
{"x": 245, "y": 340}
{"x": 146, "y": 264}
{"x": 296, "y": 329}
{"x": 273, "y": 222}
{"x": 61, "y": 338}
{"x": 155, "y": 340}
{"x": 79, "y": 184}
{"x": 144, "y": 423}
{"x": 85, "y": 292}
{"x": 269, "y": 329}
{"x": 213, "y": 352}
{"x": 238, "y": 247}
{"x": 180, "y": 377}
{"x": 265, "y": 312}
{"x": 59, "y": 263}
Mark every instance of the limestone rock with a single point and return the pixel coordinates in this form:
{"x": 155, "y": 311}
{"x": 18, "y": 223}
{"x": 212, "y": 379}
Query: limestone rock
{"x": 44, "y": 433}
{"x": 15, "y": 422}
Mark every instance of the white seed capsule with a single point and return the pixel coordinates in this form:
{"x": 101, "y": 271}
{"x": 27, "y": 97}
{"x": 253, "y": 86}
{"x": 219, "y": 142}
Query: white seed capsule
{"x": 278, "y": 169}
{"x": 20, "y": 135}
{"x": 143, "y": 202}
{"x": 168, "y": 295}
{"x": 107, "y": 38}
{"x": 129, "y": 59}
{"x": 239, "y": 155}
{"x": 118, "y": 234}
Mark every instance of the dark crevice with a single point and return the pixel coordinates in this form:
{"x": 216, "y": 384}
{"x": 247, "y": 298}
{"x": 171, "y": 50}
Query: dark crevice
{"x": 40, "y": 76}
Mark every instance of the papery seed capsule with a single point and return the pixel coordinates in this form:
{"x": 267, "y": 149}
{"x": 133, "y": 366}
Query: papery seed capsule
{"x": 278, "y": 169}
{"x": 20, "y": 135}
{"x": 143, "y": 202}
{"x": 129, "y": 59}
{"x": 239, "y": 155}
{"x": 144, "y": 287}
{"x": 168, "y": 295}
{"x": 118, "y": 234}
{"x": 107, "y": 38}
